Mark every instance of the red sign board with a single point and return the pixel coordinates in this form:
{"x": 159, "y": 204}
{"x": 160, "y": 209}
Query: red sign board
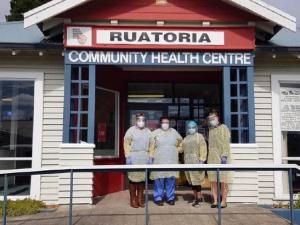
{"x": 168, "y": 38}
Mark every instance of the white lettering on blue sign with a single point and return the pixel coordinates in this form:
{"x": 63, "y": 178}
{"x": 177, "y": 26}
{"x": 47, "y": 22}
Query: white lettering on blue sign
{"x": 160, "y": 58}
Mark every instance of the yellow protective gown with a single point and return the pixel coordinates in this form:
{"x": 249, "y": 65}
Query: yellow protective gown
{"x": 137, "y": 144}
{"x": 195, "y": 149}
{"x": 219, "y": 145}
{"x": 165, "y": 149}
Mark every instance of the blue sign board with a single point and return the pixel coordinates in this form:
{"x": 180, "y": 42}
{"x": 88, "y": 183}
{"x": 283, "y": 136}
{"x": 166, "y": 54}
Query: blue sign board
{"x": 155, "y": 58}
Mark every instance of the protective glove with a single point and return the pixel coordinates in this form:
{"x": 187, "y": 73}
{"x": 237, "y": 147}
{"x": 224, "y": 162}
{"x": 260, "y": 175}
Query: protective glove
{"x": 128, "y": 161}
{"x": 201, "y": 162}
{"x": 150, "y": 160}
{"x": 223, "y": 160}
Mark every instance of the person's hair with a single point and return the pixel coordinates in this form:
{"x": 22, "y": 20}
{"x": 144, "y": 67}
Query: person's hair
{"x": 163, "y": 118}
{"x": 213, "y": 113}
{"x": 139, "y": 115}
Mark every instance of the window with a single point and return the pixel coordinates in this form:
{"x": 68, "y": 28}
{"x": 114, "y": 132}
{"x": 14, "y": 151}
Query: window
{"x": 16, "y": 132}
{"x": 239, "y": 103}
{"x": 79, "y": 104}
{"x": 106, "y": 123}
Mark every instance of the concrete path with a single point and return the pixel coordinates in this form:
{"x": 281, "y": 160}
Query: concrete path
{"x": 114, "y": 210}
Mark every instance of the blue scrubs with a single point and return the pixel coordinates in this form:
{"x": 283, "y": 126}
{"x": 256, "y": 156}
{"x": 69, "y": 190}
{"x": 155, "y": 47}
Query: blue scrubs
{"x": 162, "y": 184}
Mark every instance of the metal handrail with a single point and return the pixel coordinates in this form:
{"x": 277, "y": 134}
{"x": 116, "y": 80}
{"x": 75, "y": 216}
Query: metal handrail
{"x": 290, "y": 168}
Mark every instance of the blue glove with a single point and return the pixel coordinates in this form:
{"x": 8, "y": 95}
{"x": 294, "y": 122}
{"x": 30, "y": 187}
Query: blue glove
{"x": 128, "y": 161}
{"x": 223, "y": 160}
{"x": 150, "y": 160}
{"x": 201, "y": 162}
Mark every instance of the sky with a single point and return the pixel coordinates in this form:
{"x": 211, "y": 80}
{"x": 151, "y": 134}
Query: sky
{"x": 290, "y": 6}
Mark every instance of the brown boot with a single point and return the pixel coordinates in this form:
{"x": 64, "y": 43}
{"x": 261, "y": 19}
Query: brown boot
{"x": 140, "y": 195}
{"x": 133, "y": 196}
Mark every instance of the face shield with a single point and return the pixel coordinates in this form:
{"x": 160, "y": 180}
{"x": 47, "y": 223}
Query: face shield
{"x": 140, "y": 122}
{"x": 213, "y": 121}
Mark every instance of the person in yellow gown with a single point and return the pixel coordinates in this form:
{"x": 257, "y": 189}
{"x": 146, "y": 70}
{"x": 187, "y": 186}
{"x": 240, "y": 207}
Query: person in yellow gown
{"x": 219, "y": 153}
{"x": 137, "y": 142}
{"x": 195, "y": 152}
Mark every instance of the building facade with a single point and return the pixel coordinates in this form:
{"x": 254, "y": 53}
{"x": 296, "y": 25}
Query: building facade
{"x": 70, "y": 92}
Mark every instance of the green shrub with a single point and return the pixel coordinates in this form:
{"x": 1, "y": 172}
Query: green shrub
{"x": 22, "y": 207}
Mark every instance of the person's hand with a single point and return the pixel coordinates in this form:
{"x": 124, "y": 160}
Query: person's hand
{"x": 201, "y": 162}
{"x": 150, "y": 160}
{"x": 223, "y": 160}
{"x": 128, "y": 161}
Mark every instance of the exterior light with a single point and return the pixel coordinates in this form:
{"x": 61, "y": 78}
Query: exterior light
{"x": 63, "y": 54}
{"x": 14, "y": 53}
{"x": 298, "y": 56}
{"x": 274, "y": 56}
{"x": 41, "y": 53}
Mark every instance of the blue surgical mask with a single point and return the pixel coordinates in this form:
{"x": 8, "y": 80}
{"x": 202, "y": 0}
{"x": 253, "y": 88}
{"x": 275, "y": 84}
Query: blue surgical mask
{"x": 192, "y": 130}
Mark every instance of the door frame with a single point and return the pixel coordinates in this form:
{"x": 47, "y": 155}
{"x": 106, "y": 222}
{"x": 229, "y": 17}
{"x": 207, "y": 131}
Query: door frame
{"x": 36, "y": 161}
{"x": 277, "y": 79}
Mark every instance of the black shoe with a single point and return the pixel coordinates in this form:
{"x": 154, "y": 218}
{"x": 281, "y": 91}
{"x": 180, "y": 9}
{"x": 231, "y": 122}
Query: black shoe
{"x": 214, "y": 205}
{"x": 172, "y": 202}
{"x": 159, "y": 203}
{"x": 197, "y": 203}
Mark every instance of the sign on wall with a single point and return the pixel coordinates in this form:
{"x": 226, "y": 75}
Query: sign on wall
{"x": 290, "y": 108}
{"x": 214, "y": 38}
{"x": 159, "y": 58}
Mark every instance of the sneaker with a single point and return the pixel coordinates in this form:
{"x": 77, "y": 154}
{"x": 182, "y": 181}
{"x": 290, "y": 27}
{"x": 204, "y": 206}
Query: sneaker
{"x": 197, "y": 203}
{"x": 223, "y": 205}
{"x": 172, "y": 202}
{"x": 159, "y": 203}
{"x": 214, "y": 205}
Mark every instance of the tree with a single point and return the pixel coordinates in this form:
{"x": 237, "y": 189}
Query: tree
{"x": 19, "y": 7}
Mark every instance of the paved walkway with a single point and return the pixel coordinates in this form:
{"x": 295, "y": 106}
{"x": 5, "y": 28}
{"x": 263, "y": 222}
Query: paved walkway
{"x": 114, "y": 210}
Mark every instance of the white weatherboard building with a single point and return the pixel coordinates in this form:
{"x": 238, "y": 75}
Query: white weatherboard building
{"x": 75, "y": 73}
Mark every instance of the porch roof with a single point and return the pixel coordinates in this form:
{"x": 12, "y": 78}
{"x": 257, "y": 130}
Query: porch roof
{"x": 256, "y": 7}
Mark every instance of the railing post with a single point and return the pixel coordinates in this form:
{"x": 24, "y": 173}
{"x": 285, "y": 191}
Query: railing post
{"x": 4, "y": 208}
{"x": 146, "y": 198}
{"x": 219, "y": 198}
{"x": 71, "y": 199}
{"x": 291, "y": 191}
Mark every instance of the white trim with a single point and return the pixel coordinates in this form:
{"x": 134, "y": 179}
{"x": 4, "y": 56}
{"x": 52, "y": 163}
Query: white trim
{"x": 257, "y": 7}
{"x": 38, "y": 78}
{"x": 81, "y": 145}
{"x": 277, "y": 137}
{"x": 266, "y": 11}
{"x": 16, "y": 159}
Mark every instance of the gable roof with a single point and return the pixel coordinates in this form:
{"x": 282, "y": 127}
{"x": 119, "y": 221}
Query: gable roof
{"x": 257, "y": 7}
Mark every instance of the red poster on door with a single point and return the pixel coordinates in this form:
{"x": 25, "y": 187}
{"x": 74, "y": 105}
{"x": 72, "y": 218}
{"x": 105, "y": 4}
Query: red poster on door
{"x": 101, "y": 137}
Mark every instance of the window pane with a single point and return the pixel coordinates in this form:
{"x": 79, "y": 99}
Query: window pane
{"x": 84, "y": 120}
{"x": 233, "y": 90}
{"x": 74, "y": 104}
{"x": 83, "y": 135}
{"x": 75, "y": 73}
{"x": 243, "y": 90}
{"x": 75, "y": 89}
{"x": 16, "y": 118}
{"x": 234, "y": 105}
{"x": 84, "y": 104}
{"x": 244, "y": 105}
{"x": 244, "y": 136}
{"x": 84, "y": 89}
{"x": 105, "y": 123}
{"x": 73, "y": 136}
{"x": 244, "y": 121}
{"x": 233, "y": 74}
{"x": 234, "y": 136}
{"x": 74, "y": 120}
{"x": 243, "y": 74}
{"x": 17, "y": 185}
{"x": 235, "y": 121}
{"x": 85, "y": 73}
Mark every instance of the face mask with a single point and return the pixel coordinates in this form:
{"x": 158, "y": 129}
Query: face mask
{"x": 214, "y": 123}
{"x": 192, "y": 130}
{"x": 165, "y": 126}
{"x": 140, "y": 124}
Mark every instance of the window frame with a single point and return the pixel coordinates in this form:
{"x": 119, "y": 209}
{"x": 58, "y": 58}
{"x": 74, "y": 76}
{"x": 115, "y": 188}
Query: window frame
{"x": 38, "y": 79}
